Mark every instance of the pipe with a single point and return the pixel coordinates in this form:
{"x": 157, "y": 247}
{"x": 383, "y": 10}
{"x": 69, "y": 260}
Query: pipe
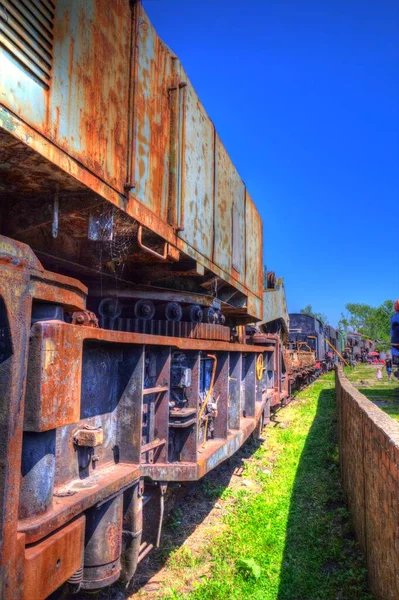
{"x": 161, "y": 512}
{"x": 336, "y": 352}
{"x": 202, "y": 409}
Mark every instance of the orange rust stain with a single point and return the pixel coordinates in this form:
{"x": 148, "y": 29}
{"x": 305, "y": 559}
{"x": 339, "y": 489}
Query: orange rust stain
{"x": 141, "y": 168}
{"x": 153, "y": 108}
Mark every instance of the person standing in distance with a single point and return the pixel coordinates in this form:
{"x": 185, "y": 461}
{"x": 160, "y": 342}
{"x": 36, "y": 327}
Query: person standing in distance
{"x": 388, "y": 366}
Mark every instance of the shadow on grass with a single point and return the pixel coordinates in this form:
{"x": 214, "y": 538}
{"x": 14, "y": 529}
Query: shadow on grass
{"x": 186, "y": 507}
{"x": 321, "y": 557}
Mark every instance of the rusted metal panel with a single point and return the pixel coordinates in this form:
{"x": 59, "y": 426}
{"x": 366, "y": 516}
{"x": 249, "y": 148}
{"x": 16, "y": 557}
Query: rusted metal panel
{"x": 43, "y": 285}
{"x": 88, "y": 114}
{"x": 54, "y": 375}
{"x": 152, "y": 120}
{"x": 229, "y": 214}
{"x": 253, "y": 245}
{"x": 254, "y": 306}
{"x": 64, "y": 168}
{"x": 70, "y": 501}
{"x": 198, "y": 192}
{"x": 274, "y": 304}
{"x": 74, "y": 335}
{"x": 51, "y": 562}
{"x": 14, "y": 322}
{"x": 85, "y": 109}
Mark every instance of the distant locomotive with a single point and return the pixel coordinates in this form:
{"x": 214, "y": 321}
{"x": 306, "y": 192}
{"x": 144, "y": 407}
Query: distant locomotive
{"x": 316, "y": 347}
{"x": 357, "y": 346}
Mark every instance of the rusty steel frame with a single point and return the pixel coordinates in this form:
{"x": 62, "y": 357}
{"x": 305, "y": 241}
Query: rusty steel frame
{"x": 88, "y": 430}
{"x": 42, "y": 391}
{"x": 124, "y": 160}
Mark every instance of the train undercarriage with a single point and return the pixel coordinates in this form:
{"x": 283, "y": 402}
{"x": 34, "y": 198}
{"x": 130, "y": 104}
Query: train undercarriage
{"x": 131, "y": 261}
{"x": 107, "y": 405}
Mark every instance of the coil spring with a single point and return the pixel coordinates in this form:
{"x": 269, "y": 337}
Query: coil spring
{"x": 77, "y": 577}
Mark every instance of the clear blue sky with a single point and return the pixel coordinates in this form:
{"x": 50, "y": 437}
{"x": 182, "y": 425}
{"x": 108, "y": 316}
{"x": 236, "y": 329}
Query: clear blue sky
{"x": 305, "y": 96}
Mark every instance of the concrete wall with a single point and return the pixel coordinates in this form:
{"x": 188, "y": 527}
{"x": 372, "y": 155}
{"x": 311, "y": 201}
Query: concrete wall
{"x": 369, "y": 456}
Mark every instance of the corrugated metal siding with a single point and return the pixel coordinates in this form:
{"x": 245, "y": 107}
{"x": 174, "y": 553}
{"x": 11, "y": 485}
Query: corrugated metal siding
{"x": 26, "y": 32}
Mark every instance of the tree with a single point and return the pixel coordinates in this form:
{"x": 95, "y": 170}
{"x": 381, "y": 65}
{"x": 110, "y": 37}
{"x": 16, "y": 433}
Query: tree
{"x": 372, "y": 322}
{"x": 307, "y": 310}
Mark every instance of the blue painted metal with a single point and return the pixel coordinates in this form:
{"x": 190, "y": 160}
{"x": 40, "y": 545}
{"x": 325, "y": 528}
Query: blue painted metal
{"x": 395, "y": 337}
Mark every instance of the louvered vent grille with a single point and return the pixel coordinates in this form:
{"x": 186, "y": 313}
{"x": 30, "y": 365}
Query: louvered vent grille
{"x": 26, "y": 32}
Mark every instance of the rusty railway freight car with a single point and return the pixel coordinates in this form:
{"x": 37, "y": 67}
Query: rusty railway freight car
{"x": 274, "y": 328}
{"x": 131, "y": 261}
{"x": 357, "y": 346}
{"x": 306, "y": 348}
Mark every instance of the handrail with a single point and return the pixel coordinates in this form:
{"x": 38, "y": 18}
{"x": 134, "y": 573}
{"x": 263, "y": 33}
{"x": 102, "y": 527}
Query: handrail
{"x": 163, "y": 256}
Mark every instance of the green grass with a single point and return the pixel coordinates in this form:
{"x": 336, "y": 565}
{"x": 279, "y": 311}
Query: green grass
{"x": 290, "y": 538}
{"x": 382, "y": 392}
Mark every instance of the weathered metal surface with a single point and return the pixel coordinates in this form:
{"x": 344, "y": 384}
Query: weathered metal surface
{"x": 37, "y": 473}
{"x": 71, "y": 112}
{"x": 51, "y": 562}
{"x": 15, "y": 311}
{"x": 155, "y": 293}
{"x": 85, "y": 317}
{"x": 54, "y": 377}
{"x": 229, "y": 215}
{"x": 254, "y": 248}
{"x": 181, "y": 329}
{"x": 70, "y": 501}
{"x": 89, "y": 438}
{"x": 90, "y": 410}
{"x": 215, "y": 452}
{"x": 153, "y": 131}
{"x": 198, "y": 165}
{"x": 72, "y": 337}
{"x": 43, "y": 285}
{"x": 152, "y": 120}
{"x": 275, "y": 305}
{"x": 103, "y": 544}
